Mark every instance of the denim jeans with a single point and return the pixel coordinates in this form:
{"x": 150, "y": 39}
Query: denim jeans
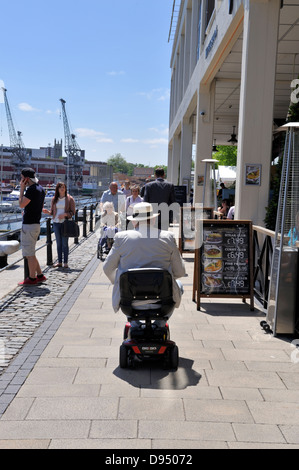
{"x": 62, "y": 243}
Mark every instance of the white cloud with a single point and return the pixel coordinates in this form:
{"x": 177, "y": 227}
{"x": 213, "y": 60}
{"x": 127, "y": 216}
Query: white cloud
{"x": 129, "y": 141}
{"x": 104, "y": 140}
{"x": 150, "y": 141}
{"x": 165, "y": 96}
{"x": 161, "y": 131}
{"x": 113, "y": 73}
{"x": 83, "y": 132}
{"x": 27, "y": 107}
{"x": 88, "y": 133}
{"x": 157, "y": 94}
{"x": 57, "y": 111}
{"x": 156, "y": 141}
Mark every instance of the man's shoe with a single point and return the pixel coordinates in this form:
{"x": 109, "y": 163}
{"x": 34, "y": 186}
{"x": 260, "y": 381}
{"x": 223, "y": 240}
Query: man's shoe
{"x": 41, "y": 279}
{"x": 28, "y": 282}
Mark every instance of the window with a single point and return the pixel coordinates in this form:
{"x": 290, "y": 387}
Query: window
{"x": 199, "y": 30}
{"x": 210, "y": 7}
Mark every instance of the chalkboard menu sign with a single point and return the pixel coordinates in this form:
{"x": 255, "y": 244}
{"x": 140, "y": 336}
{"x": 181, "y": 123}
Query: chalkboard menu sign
{"x": 223, "y": 264}
{"x": 180, "y": 194}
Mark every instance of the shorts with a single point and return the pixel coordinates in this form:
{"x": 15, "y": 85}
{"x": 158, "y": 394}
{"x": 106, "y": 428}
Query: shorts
{"x": 29, "y": 237}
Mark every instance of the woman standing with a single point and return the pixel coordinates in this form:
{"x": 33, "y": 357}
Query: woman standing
{"x": 132, "y": 200}
{"x": 62, "y": 207}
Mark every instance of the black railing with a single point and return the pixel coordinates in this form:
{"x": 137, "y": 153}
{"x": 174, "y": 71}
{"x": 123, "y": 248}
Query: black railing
{"x": 49, "y": 241}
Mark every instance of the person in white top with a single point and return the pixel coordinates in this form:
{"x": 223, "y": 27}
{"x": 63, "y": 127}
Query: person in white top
{"x": 62, "y": 207}
{"x": 231, "y": 213}
{"x": 131, "y": 201}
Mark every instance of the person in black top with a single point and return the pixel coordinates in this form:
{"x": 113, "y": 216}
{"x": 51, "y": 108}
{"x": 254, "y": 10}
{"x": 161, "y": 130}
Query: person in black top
{"x": 160, "y": 192}
{"x": 220, "y": 192}
{"x": 32, "y": 202}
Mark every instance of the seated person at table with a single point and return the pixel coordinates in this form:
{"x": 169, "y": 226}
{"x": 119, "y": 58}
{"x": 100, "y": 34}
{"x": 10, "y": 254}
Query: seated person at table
{"x": 225, "y": 205}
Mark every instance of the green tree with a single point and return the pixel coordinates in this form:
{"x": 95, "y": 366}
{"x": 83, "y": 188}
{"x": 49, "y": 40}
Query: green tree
{"x": 118, "y": 163}
{"x": 226, "y": 154}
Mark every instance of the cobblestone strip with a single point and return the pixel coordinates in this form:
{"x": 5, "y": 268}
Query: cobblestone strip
{"x": 29, "y": 317}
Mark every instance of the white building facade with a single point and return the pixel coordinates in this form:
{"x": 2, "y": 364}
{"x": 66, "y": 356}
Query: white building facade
{"x": 233, "y": 63}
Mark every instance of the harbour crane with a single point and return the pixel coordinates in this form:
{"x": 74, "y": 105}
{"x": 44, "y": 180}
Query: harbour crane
{"x": 75, "y": 156}
{"x": 21, "y": 158}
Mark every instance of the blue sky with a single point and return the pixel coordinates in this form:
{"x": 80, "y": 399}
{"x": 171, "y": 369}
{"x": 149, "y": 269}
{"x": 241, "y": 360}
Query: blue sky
{"x": 108, "y": 59}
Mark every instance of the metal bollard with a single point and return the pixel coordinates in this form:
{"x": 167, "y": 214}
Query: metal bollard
{"x": 84, "y": 222}
{"x": 76, "y": 240}
{"x": 49, "y": 244}
{"x": 91, "y": 219}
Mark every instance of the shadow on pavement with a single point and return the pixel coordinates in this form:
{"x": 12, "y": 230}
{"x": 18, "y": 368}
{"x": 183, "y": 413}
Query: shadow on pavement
{"x": 151, "y": 374}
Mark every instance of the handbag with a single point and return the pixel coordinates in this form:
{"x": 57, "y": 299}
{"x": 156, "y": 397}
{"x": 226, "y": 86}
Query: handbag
{"x": 70, "y": 229}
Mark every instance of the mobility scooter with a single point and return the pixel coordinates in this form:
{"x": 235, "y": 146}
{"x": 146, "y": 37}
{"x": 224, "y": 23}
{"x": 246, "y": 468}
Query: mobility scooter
{"x": 144, "y": 338}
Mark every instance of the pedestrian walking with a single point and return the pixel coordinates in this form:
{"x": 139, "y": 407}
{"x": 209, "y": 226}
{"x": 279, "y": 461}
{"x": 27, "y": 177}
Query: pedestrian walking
{"x": 115, "y": 195}
{"x": 158, "y": 192}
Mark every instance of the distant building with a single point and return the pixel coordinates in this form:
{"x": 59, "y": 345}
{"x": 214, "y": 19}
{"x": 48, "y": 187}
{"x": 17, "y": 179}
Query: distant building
{"x": 143, "y": 173}
{"x": 49, "y": 169}
{"x": 53, "y": 152}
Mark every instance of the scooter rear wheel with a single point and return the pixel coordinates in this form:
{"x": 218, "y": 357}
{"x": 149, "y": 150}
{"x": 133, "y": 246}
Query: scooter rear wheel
{"x": 174, "y": 358}
{"x": 123, "y": 357}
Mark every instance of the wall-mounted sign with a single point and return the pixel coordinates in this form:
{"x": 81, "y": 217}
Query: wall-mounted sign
{"x": 200, "y": 180}
{"x": 253, "y": 173}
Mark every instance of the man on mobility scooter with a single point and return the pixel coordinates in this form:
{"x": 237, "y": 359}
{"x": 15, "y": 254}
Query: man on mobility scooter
{"x": 144, "y": 265}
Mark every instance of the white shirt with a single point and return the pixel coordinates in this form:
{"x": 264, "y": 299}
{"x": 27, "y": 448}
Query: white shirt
{"x": 231, "y": 213}
{"x": 60, "y": 205}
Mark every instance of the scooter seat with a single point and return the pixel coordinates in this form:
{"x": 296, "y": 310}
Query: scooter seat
{"x": 152, "y": 285}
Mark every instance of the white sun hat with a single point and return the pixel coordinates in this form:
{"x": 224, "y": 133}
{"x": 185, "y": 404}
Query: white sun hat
{"x": 142, "y": 211}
